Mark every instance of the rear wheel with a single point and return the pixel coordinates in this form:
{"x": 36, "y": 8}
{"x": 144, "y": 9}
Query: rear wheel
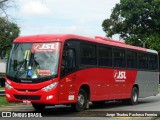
{"x": 134, "y": 97}
{"x": 80, "y": 105}
{"x": 38, "y": 107}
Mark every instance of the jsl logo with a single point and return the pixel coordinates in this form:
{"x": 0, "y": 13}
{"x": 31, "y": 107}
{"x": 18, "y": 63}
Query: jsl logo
{"x": 120, "y": 76}
{"x": 45, "y": 47}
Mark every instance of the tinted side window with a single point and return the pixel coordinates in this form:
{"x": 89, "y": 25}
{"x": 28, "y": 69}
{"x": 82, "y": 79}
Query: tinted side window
{"x": 68, "y": 61}
{"x": 143, "y": 61}
{"x": 131, "y": 59}
{"x": 153, "y": 62}
{"x": 105, "y": 56}
{"x": 88, "y": 54}
{"x": 119, "y": 57}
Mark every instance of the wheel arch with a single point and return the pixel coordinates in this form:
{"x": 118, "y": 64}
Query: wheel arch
{"x": 86, "y": 88}
{"x": 137, "y": 86}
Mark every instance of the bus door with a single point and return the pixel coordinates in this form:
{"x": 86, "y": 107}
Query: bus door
{"x": 67, "y": 83}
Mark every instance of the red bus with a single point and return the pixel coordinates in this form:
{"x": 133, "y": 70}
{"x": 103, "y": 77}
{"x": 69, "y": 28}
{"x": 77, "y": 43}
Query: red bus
{"x": 73, "y": 70}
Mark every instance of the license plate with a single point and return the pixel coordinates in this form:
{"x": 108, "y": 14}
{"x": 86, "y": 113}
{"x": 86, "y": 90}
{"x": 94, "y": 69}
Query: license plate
{"x": 26, "y": 101}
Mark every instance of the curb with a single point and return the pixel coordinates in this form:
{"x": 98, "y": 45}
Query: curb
{"x": 2, "y": 92}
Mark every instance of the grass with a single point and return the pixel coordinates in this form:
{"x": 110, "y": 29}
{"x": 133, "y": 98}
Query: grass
{"x": 3, "y": 101}
{"x": 158, "y": 118}
{"x": 1, "y": 88}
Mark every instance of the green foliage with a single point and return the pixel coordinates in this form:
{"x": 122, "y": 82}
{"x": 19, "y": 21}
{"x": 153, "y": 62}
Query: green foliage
{"x": 3, "y": 101}
{"x": 1, "y": 88}
{"x": 136, "y": 21}
{"x": 8, "y": 32}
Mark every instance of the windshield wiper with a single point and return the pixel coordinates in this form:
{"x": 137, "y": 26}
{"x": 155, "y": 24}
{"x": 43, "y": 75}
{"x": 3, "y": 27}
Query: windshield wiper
{"x": 20, "y": 67}
{"x": 25, "y": 62}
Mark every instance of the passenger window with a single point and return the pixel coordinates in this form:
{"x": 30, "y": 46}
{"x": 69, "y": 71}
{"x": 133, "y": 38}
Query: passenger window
{"x": 88, "y": 54}
{"x": 105, "y": 56}
{"x": 119, "y": 57}
{"x": 131, "y": 59}
{"x": 153, "y": 62}
{"x": 143, "y": 61}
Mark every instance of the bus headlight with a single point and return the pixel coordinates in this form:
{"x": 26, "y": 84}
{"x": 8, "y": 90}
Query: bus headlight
{"x": 8, "y": 86}
{"x": 50, "y": 87}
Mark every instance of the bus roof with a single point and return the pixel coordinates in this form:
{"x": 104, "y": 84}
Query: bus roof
{"x": 63, "y": 37}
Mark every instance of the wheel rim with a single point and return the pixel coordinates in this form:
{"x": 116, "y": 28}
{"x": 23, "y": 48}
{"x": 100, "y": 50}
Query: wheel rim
{"x": 81, "y": 100}
{"x": 135, "y": 96}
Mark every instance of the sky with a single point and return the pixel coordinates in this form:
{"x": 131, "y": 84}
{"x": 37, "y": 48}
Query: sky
{"x": 81, "y": 17}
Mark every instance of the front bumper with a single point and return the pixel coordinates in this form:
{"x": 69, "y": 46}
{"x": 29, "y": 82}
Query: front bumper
{"x": 34, "y": 96}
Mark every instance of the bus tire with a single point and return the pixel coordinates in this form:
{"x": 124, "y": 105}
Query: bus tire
{"x": 81, "y": 104}
{"x": 98, "y": 102}
{"x": 134, "y": 96}
{"x": 38, "y": 107}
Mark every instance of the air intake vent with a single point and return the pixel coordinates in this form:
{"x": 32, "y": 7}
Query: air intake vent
{"x": 27, "y": 97}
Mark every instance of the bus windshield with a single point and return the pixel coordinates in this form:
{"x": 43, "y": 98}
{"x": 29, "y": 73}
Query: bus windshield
{"x": 33, "y": 60}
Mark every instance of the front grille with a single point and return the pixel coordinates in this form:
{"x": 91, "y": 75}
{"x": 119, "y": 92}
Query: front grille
{"x": 27, "y": 97}
{"x": 23, "y": 90}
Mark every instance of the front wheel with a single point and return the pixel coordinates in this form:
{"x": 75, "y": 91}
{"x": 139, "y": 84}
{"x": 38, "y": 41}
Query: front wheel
{"x": 81, "y": 104}
{"x": 38, "y": 107}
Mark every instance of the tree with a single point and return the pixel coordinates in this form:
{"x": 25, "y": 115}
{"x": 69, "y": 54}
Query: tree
{"x": 8, "y": 32}
{"x": 4, "y": 4}
{"x": 136, "y": 21}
